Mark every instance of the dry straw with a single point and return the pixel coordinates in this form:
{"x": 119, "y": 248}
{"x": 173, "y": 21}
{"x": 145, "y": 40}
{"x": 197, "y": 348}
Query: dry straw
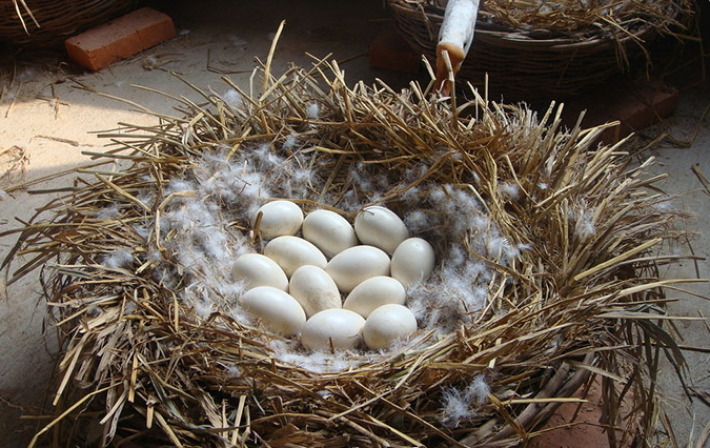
{"x": 542, "y": 50}
{"x": 582, "y": 298}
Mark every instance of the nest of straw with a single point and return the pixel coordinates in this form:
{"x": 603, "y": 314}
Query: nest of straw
{"x": 542, "y": 50}
{"x": 567, "y": 236}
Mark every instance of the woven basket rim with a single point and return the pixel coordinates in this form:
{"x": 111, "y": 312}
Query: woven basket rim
{"x": 527, "y": 65}
{"x": 46, "y": 23}
{"x": 563, "y": 43}
{"x": 487, "y": 28}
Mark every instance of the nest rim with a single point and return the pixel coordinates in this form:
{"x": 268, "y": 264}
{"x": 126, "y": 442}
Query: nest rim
{"x": 571, "y": 369}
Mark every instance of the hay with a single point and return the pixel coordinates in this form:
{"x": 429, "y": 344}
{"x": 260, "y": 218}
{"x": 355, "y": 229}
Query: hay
{"x": 563, "y": 235}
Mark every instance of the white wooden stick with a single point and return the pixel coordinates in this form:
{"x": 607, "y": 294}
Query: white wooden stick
{"x": 459, "y": 23}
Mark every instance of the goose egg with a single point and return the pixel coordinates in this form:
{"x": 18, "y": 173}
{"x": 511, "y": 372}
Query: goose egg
{"x": 356, "y": 264}
{"x": 278, "y": 218}
{"x": 329, "y": 231}
{"x": 291, "y": 253}
{"x": 380, "y": 227}
{"x": 335, "y": 327}
{"x": 314, "y": 289}
{"x": 412, "y": 261}
{"x": 258, "y": 270}
{"x": 387, "y": 324}
{"x": 373, "y": 293}
{"x": 277, "y": 310}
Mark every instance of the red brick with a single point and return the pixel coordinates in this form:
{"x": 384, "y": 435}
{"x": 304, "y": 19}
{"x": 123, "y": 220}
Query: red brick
{"x": 120, "y": 38}
{"x": 390, "y": 51}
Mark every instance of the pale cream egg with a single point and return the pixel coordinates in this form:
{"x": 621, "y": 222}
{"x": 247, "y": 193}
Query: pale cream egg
{"x": 356, "y": 264}
{"x": 314, "y": 289}
{"x": 258, "y": 270}
{"x": 380, "y": 227}
{"x": 329, "y": 231}
{"x": 278, "y": 218}
{"x": 291, "y": 253}
{"x": 334, "y": 328}
{"x": 373, "y": 293}
{"x": 388, "y": 324}
{"x": 412, "y": 261}
{"x": 276, "y": 309}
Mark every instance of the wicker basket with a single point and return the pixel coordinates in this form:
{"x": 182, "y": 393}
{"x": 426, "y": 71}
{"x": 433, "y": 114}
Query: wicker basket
{"x": 46, "y": 23}
{"x": 526, "y": 66}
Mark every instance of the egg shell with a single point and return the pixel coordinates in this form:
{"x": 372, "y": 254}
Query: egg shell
{"x": 373, "y": 293}
{"x": 329, "y": 231}
{"x": 278, "y": 218}
{"x": 412, "y": 261}
{"x": 291, "y": 253}
{"x": 277, "y": 310}
{"x": 337, "y": 327}
{"x": 314, "y": 289}
{"x": 258, "y": 270}
{"x": 388, "y": 324}
{"x": 380, "y": 227}
{"x": 356, "y": 264}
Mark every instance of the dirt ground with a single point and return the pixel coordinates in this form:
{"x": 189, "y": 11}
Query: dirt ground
{"x": 51, "y": 116}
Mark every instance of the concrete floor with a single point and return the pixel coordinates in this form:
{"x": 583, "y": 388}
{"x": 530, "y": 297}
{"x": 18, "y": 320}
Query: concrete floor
{"x": 48, "y": 122}
{"x": 689, "y": 124}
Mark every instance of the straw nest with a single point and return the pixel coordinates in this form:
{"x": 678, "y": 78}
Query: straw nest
{"x": 547, "y": 248}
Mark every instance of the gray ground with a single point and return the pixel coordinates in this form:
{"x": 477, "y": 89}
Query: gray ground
{"x": 46, "y": 122}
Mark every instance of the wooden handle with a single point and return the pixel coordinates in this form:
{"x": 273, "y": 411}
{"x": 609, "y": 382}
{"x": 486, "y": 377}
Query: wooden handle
{"x": 456, "y": 56}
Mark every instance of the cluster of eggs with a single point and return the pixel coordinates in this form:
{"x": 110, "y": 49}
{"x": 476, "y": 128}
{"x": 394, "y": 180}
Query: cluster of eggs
{"x": 296, "y": 287}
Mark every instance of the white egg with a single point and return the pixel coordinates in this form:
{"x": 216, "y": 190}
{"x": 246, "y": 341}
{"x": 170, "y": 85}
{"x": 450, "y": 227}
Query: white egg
{"x": 356, "y": 264}
{"x": 278, "y": 218}
{"x": 373, "y": 293}
{"x": 380, "y": 227}
{"x": 329, "y": 231}
{"x": 387, "y": 324}
{"x": 277, "y": 310}
{"x": 291, "y": 253}
{"x": 314, "y": 289}
{"x": 412, "y": 261}
{"x": 258, "y": 270}
{"x": 337, "y": 328}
